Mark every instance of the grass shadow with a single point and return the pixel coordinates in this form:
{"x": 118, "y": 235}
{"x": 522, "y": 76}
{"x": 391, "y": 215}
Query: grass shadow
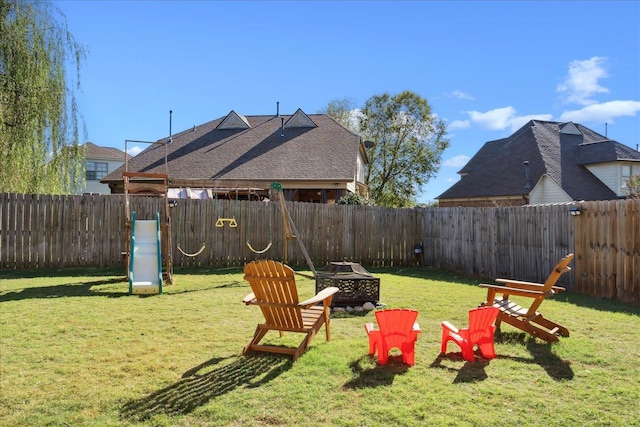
{"x": 470, "y": 372}
{"x": 205, "y": 382}
{"x": 82, "y": 289}
{"x": 428, "y": 273}
{"x": 595, "y": 303}
{"x": 377, "y": 376}
{"x": 556, "y": 368}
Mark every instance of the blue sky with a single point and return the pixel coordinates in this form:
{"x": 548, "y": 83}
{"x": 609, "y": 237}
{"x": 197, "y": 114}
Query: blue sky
{"x": 486, "y": 68}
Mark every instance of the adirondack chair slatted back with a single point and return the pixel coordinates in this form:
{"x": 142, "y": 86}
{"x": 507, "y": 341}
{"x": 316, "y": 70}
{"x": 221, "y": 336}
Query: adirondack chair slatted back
{"x": 561, "y": 267}
{"x": 274, "y": 286}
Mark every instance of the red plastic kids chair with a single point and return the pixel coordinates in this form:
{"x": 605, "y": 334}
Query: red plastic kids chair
{"x": 480, "y": 332}
{"x": 398, "y": 329}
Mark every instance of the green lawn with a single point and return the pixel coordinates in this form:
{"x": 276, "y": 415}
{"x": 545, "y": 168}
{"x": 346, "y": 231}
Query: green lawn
{"x": 77, "y": 350}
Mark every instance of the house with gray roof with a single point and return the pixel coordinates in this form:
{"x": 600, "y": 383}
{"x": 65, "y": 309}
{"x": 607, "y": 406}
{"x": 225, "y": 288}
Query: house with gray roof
{"x": 99, "y": 161}
{"x": 544, "y": 162}
{"x": 313, "y": 157}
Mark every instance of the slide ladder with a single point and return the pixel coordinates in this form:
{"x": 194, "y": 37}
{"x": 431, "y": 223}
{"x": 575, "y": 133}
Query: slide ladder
{"x": 145, "y": 260}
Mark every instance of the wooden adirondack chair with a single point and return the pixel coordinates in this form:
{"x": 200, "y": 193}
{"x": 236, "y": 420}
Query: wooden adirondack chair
{"x": 398, "y": 329}
{"x": 529, "y": 319}
{"x": 480, "y": 333}
{"x": 275, "y": 292}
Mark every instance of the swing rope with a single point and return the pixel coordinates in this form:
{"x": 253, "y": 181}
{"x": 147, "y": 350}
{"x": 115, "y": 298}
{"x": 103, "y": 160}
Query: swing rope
{"x": 259, "y": 252}
{"x": 202, "y": 233}
{"x": 270, "y": 241}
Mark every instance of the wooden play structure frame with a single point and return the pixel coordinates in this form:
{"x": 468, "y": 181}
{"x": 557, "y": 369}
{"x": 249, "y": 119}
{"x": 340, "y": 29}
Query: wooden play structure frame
{"x": 150, "y": 185}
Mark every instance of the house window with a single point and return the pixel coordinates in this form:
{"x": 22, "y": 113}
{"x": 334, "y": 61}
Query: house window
{"x": 96, "y": 171}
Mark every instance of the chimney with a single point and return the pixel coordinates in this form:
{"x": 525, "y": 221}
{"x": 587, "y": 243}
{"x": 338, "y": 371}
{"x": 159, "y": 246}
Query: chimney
{"x": 527, "y": 183}
{"x": 277, "y": 108}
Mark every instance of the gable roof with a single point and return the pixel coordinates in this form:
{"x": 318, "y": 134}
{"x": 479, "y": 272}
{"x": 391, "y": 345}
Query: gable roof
{"x": 556, "y": 149}
{"x": 103, "y": 153}
{"x": 314, "y": 147}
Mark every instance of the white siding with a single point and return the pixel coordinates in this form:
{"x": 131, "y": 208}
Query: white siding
{"x": 547, "y": 191}
{"x": 360, "y": 168}
{"x": 95, "y": 186}
{"x": 611, "y": 174}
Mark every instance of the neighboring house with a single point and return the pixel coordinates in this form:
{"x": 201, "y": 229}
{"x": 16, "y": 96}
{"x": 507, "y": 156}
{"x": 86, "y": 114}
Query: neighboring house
{"x": 100, "y": 161}
{"x": 313, "y": 157}
{"x": 544, "y": 162}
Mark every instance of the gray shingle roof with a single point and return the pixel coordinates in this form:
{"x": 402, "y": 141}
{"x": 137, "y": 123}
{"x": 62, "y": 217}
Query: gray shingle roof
{"x": 326, "y": 152}
{"x": 103, "y": 153}
{"x": 498, "y": 169}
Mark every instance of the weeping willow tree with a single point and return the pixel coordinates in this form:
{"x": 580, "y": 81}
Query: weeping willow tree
{"x": 40, "y": 123}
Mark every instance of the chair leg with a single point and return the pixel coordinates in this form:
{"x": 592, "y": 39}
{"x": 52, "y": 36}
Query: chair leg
{"x": 383, "y": 354}
{"x": 488, "y": 350}
{"x": 257, "y": 336}
{"x": 467, "y": 352}
{"x": 409, "y": 354}
{"x": 552, "y": 326}
{"x": 531, "y": 329}
{"x": 444, "y": 342}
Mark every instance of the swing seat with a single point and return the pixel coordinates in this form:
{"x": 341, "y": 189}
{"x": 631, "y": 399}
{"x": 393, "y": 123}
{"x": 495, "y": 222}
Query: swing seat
{"x": 257, "y": 251}
{"x": 194, "y": 254}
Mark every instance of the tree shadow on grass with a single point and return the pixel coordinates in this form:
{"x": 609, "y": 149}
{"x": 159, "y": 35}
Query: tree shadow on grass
{"x": 379, "y": 375}
{"x": 199, "y": 385}
{"x": 82, "y": 289}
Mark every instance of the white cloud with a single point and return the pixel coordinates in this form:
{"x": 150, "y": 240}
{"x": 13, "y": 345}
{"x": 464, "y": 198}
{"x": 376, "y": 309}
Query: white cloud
{"x": 452, "y": 179}
{"x": 581, "y": 82}
{"x": 497, "y": 119}
{"x": 456, "y": 162}
{"x": 133, "y": 151}
{"x": 602, "y": 113}
{"x": 504, "y": 118}
{"x": 459, "y": 124}
{"x": 460, "y": 95}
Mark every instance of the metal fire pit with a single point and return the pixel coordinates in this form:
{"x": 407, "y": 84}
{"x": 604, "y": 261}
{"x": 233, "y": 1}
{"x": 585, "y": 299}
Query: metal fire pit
{"x": 357, "y": 286}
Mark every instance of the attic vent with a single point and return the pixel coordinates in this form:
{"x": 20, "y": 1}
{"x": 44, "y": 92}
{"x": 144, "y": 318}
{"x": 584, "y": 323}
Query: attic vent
{"x": 300, "y": 120}
{"x": 234, "y": 121}
{"x": 570, "y": 129}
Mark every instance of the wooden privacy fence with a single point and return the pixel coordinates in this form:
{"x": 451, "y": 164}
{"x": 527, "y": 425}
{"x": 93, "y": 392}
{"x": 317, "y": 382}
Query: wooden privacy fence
{"x": 43, "y": 231}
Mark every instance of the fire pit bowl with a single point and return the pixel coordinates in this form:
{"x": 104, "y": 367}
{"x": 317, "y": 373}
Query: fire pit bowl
{"x": 357, "y": 286}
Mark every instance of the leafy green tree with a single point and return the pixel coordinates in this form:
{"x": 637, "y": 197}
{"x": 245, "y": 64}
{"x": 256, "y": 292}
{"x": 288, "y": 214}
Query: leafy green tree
{"x": 39, "y": 118}
{"x": 343, "y": 111}
{"x": 633, "y": 187}
{"x": 408, "y": 142}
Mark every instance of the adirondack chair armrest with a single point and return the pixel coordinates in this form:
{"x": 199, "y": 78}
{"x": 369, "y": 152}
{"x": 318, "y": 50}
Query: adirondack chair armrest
{"x": 520, "y": 283}
{"x": 450, "y": 327}
{"x": 247, "y": 300}
{"x": 319, "y": 297}
{"x": 526, "y": 285}
{"x": 507, "y": 290}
